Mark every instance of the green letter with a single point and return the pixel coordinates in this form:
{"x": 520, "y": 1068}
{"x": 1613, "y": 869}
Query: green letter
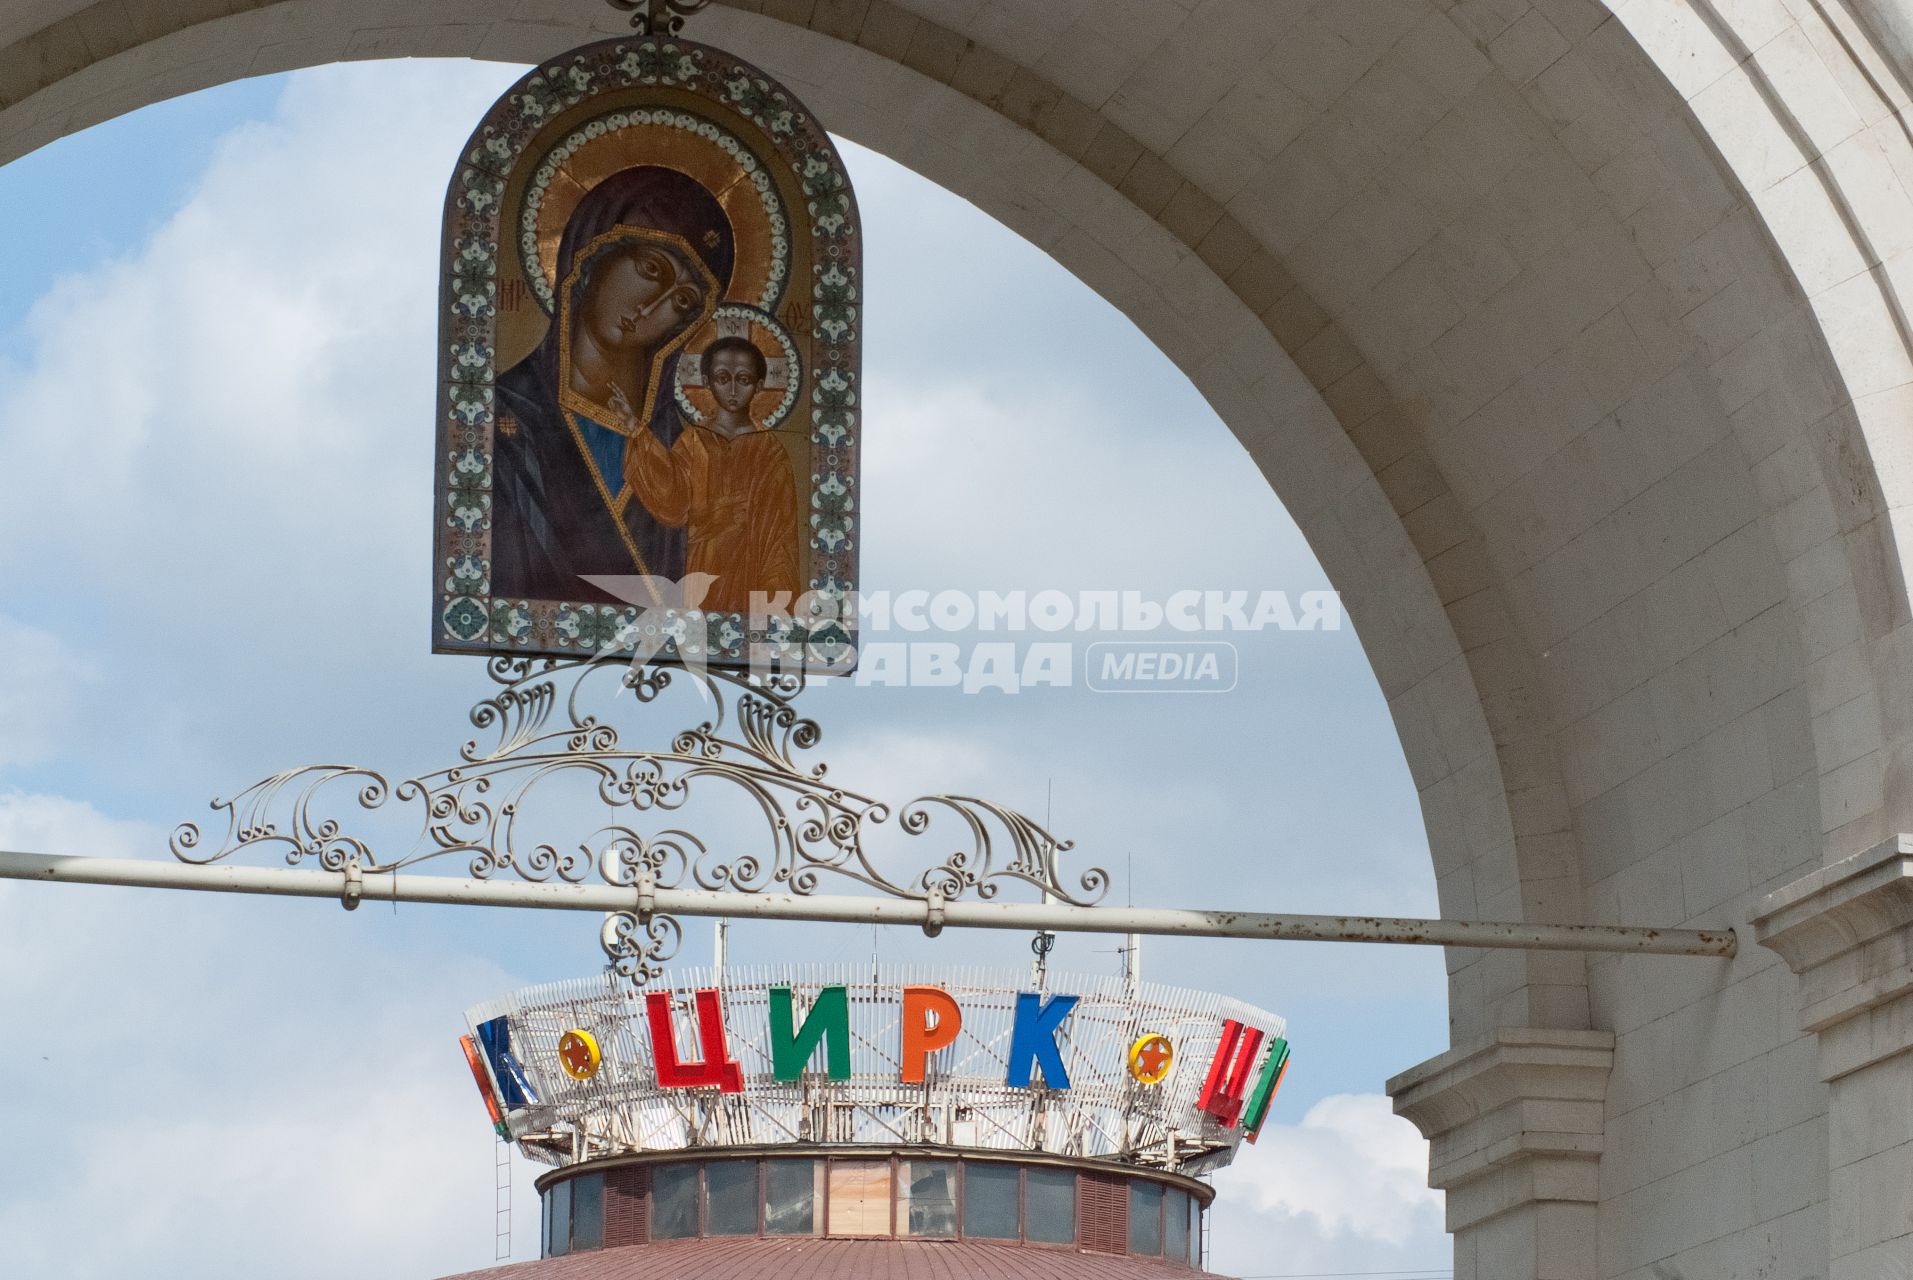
{"x": 829, "y": 1016}
{"x": 1272, "y": 1072}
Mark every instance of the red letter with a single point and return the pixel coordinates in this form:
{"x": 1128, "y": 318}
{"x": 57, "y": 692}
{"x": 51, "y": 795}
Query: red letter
{"x": 477, "y": 1064}
{"x": 1229, "y": 1073}
{"x": 921, "y": 1035}
{"x": 715, "y": 1068}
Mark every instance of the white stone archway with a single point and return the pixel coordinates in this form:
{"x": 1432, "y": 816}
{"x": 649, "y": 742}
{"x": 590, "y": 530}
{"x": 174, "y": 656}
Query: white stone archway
{"x": 1573, "y": 338}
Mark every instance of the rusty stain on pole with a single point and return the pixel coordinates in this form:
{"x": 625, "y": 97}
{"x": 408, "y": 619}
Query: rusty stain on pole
{"x": 1062, "y": 917}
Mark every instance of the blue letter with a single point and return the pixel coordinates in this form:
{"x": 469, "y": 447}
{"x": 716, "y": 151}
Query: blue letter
{"x": 514, "y": 1088}
{"x": 1033, "y": 1039}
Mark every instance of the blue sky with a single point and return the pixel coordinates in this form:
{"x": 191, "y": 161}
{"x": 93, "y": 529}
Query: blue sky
{"x": 57, "y": 222}
{"x": 215, "y": 403}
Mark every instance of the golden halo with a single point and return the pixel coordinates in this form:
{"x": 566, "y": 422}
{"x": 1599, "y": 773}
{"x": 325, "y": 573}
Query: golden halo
{"x": 669, "y": 139}
{"x": 783, "y": 376}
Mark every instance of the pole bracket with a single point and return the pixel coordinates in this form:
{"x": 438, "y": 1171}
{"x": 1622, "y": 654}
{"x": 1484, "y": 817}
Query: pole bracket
{"x": 647, "y": 887}
{"x": 354, "y": 889}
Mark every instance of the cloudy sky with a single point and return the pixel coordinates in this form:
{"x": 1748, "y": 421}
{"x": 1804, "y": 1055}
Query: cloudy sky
{"x": 216, "y": 380}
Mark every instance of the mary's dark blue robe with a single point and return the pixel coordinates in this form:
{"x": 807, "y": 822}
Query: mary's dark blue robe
{"x": 551, "y": 525}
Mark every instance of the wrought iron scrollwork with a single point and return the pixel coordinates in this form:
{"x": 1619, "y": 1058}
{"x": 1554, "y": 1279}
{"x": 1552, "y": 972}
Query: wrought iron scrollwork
{"x": 639, "y": 949}
{"x": 549, "y": 721}
{"x": 658, "y": 17}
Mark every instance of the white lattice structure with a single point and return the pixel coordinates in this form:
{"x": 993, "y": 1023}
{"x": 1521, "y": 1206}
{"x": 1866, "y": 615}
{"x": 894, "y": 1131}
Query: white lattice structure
{"x": 964, "y": 1101}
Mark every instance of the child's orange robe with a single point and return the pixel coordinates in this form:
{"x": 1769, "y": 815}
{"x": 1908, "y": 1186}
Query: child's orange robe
{"x": 739, "y": 501}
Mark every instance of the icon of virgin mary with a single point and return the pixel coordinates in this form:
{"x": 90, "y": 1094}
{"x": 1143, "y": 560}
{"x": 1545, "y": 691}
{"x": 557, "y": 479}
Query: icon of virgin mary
{"x": 644, "y": 262}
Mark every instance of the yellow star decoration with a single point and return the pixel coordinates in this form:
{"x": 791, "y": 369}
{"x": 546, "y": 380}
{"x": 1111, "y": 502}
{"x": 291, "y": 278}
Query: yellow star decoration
{"x": 1150, "y": 1058}
{"x": 578, "y": 1054}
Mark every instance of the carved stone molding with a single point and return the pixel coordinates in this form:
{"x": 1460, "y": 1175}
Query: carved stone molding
{"x": 1847, "y": 931}
{"x": 1513, "y": 1120}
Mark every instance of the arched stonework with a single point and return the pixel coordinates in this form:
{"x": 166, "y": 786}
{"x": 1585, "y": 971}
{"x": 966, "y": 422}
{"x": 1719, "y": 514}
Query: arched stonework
{"x": 1573, "y": 341}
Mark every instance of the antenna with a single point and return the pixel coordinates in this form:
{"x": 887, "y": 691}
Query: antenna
{"x": 1132, "y": 942}
{"x": 720, "y": 946}
{"x": 1044, "y": 942}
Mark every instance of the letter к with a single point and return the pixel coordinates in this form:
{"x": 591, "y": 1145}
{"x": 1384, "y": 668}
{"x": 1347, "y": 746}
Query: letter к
{"x": 1033, "y": 1039}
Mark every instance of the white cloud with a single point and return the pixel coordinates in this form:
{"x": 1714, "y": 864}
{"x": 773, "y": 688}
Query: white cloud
{"x": 368, "y": 1172}
{"x": 1053, "y": 487}
{"x": 214, "y": 1081}
{"x": 217, "y": 449}
{"x": 1351, "y": 1168}
{"x": 218, "y": 443}
{"x": 41, "y": 682}
{"x": 42, "y": 823}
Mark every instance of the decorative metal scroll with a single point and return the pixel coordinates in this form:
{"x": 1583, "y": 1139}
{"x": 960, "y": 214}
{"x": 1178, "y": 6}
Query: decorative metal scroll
{"x": 544, "y": 724}
{"x": 658, "y": 17}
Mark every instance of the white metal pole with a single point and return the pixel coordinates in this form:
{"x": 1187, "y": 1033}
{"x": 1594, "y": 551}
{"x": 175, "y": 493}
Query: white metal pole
{"x": 350, "y": 885}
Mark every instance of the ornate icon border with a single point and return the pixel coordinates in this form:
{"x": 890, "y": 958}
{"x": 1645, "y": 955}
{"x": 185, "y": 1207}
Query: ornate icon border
{"x": 466, "y": 617}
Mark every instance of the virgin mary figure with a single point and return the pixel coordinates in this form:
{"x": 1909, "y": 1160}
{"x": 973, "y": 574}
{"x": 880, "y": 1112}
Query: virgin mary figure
{"x": 644, "y": 260}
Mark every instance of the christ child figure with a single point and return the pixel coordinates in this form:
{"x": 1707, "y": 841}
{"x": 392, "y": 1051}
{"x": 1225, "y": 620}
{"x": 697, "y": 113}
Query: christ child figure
{"x": 729, "y": 481}
{"x": 734, "y": 371}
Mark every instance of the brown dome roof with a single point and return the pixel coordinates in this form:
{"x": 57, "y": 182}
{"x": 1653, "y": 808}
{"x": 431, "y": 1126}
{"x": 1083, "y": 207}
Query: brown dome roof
{"x": 813, "y": 1259}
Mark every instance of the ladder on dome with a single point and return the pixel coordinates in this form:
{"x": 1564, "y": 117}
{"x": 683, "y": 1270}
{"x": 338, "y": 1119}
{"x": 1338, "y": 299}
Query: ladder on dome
{"x": 501, "y": 1203}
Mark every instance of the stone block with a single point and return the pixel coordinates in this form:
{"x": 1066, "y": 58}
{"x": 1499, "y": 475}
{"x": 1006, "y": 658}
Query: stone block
{"x": 1027, "y": 98}
{"x": 1069, "y": 126}
{"x": 1326, "y": 357}
{"x": 48, "y": 55}
{"x": 1295, "y": 320}
{"x": 1087, "y": 64}
{"x": 982, "y": 73}
{"x": 798, "y": 13}
{"x": 1111, "y": 154}
{"x": 1225, "y": 246}
{"x": 888, "y": 29}
{"x": 1515, "y": 1120}
{"x": 1189, "y": 216}
{"x": 1150, "y": 184}
{"x": 1319, "y": 63}
{"x": 1442, "y": 57}
{"x": 1260, "y": 281}
{"x": 840, "y": 19}
{"x": 1528, "y": 47}
{"x": 935, "y": 51}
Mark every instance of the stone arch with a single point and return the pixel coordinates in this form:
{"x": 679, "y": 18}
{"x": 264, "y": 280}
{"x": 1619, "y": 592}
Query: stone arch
{"x": 1280, "y": 370}
{"x": 1589, "y": 397}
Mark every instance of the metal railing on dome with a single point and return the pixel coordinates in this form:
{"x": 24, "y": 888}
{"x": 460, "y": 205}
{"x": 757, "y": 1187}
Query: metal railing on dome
{"x": 964, "y": 1101}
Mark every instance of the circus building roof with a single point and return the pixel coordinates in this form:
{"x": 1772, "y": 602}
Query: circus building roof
{"x": 794, "y": 1122}
{"x": 834, "y": 1260}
